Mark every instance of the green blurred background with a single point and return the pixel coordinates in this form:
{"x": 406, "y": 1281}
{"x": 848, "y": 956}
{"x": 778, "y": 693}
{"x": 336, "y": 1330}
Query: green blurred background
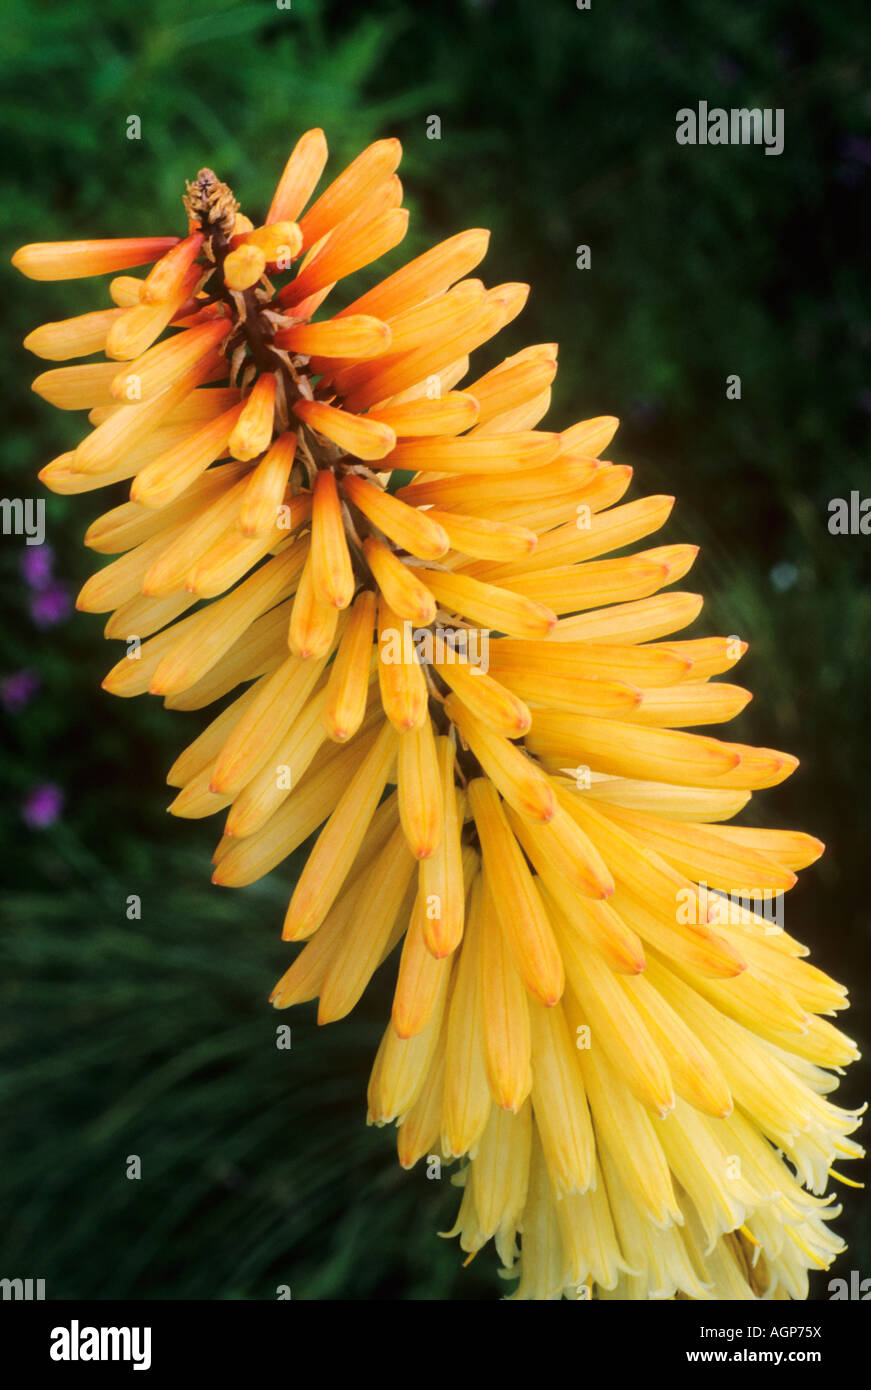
{"x": 153, "y": 1037}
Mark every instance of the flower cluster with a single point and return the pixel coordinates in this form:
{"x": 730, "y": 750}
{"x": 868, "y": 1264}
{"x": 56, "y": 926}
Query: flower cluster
{"x": 636, "y": 1093}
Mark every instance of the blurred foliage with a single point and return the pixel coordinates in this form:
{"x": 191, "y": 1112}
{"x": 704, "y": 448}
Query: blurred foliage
{"x": 152, "y": 1036}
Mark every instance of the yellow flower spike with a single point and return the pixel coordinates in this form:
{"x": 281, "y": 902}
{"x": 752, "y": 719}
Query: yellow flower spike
{"x": 338, "y": 842}
{"x": 402, "y": 682}
{"x": 442, "y": 884}
{"x": 421, "y": 980}
{"x": 563, "y": 775}
{"x": 410, "y": 529}
{"x": 365, "y": 439}
{"x": 332, "y": 575}
{"x": 313, "y": 624}
{"x": 266, "y": 487}
{"x": 466, "y": 1104}
{"x": 520, "y": 781}
{"x": 559, "y": 1102}
{"x": 506, "y": 1028}
{"x": 167, "y": 277}
{"x": 420, "y": 794}
{"x": 77, "y": 337}
{"x": 167, "y": 477}
{"x": 70, "y": 260}
{"x": 244, "y": 267}
{"x": 405, "y": 594}
{"x": 489, "y": 701}
{"x": 300, "y": 177}
{"x": 349, "y": 677}
{"x": 252, "y": 434}
{"x": 516, "y": 897}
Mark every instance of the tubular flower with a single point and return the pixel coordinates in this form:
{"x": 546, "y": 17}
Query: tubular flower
{"x": 399, "y": 588}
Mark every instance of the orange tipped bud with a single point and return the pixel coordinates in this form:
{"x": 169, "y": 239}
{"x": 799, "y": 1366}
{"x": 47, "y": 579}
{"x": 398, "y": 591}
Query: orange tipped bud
{"x": 452, "y": 413}
{"x": 495, "y": 706}
{"x": 348, "y": 683}
{"x": 407, "y": 527}
{"x": 357, "y": 336}
{"x": 77, "y": 337}
{"x": 402, "y": 589}
{"x": 312, "y": 623}
{"x": 162, "y": 480}
{"x": 160, "y": 366}
{"x": 520, "y": 781}
{"x": 332, "y": 576}
{"x": 280, "y": 242}
{"x": 491, "y": 540}
{"x": 244, "y": 267}
{"x": 264, "y": 494}
{"x": 347, "y": 250}
{"x": 402, "y": 682}
{"x": 133, "y": 333}
{"x": 364, "y": 439}
{"x": 375, "y": 164}
{"x": 165, "y": 280}
{"x": 516, "y": 899}
{"x": 477, "y": 453}
{"x": 70, "y": 260}
{"x": 301, "y": 173}
{"x": 253, "y": 432}
{"x": 419, "y": 789}
{"x": 489, "y": 606}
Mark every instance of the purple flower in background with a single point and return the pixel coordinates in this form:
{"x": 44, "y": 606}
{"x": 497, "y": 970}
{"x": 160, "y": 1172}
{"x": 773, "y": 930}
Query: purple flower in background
{"x": 42, "y": 806}
{"x": 17, "y": 690}
{"x": 50, "y": 606}
{"x": 37, "y": 563}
